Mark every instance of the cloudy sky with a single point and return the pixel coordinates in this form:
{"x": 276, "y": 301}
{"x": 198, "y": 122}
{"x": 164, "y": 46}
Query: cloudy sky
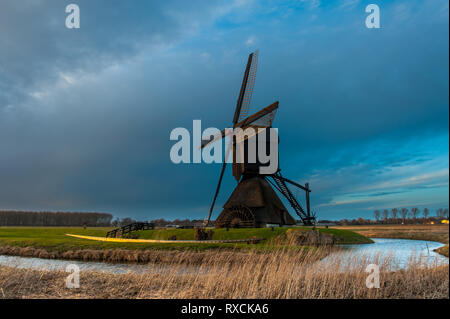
{"x": 86, "y": 114}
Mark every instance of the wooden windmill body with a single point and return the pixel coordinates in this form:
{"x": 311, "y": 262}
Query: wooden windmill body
{"x": 254, "y": 202}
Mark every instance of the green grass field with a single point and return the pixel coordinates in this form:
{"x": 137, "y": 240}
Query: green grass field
{"x": 342, "y": 237}
{"x": 54, "y": 238}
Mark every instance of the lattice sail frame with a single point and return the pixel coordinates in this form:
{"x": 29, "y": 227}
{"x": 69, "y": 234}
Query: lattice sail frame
{"x": 258, "y": 125}
{"x": 266, "y": 120}
{"x": 249, "y": 87}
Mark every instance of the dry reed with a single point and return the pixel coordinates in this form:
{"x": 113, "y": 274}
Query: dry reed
{"x": 281, "y": 273}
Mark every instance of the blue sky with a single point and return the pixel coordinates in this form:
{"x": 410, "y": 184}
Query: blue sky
{"x": 85, "y": 115}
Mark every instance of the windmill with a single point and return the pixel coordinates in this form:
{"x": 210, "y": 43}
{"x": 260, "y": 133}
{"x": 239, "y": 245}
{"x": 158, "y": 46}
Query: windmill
{"x": 254, "y": 203}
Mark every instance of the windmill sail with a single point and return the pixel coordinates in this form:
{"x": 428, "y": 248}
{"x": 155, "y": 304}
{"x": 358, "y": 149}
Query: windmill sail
{"x": 266, "y": 120}
{"x": 249, "y": 87}
{"x": 248, "y": 82}
{"x": 262, "y": 118}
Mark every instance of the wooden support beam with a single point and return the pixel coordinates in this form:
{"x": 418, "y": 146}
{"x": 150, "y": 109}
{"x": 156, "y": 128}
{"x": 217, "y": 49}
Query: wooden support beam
{"x": 256, "y": 116}
{"x": 307, "y": 199}
{"x": 242, "y": 124}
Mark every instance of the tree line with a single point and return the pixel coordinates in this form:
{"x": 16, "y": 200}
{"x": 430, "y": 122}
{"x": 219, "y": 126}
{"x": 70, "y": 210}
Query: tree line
{"x": 27, "y": 218}
{"x": 90, "y": 219}
{"x": 396, "y": 216}
{"x": 409, "y": 216}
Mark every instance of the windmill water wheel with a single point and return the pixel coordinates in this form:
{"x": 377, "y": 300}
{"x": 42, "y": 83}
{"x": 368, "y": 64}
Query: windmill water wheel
{"x": 236, "y": 217}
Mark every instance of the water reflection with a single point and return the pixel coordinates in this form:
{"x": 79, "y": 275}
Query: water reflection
{"x": 391, "y": 254}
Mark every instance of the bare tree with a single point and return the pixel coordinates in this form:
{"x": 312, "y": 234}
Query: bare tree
{"x": 414, "y": 212}
{"x": 385, "y": 215}
{"x": 394, "y": 213}
{"x": 425, "y": 213}
{"x": 377, "y": 215}
{"x": 439, "y": 213}
{"x": 404, "y": 213}
{"x": 445, "y": 213}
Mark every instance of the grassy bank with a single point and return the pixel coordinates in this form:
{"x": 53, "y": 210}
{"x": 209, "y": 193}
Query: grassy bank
{"x": 52, "y": 242}
{"x": 443, "y": 250}
{"x": 276, "y": 274}
{"x": 54, "y": 239}
{"x": 439, "y": 233}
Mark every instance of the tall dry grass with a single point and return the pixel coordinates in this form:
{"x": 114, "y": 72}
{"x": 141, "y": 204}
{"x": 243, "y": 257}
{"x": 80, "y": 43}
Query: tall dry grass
{"x": 282, "y": 273}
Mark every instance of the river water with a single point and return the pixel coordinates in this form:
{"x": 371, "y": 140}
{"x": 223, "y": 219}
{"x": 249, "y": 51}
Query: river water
{"x": 395, "y": 252}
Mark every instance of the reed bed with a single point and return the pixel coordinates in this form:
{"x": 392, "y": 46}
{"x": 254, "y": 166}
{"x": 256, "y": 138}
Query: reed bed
{"x": 121, "y": 255}
{"x": 282, "y": 273}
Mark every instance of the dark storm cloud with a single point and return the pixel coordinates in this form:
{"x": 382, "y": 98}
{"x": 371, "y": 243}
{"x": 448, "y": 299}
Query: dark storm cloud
{"x": 85, "y": 115}
{"x": 36, "y": 46}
